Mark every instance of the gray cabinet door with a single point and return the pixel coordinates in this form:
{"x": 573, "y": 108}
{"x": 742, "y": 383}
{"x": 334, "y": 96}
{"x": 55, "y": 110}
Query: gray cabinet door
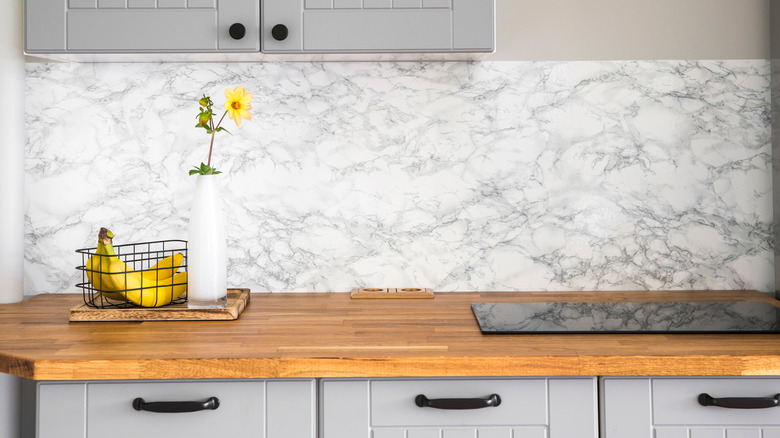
{"x": 246, "y": 408}
{"x": 323, "y": 26}
{"x": 669, "y": 407}
{"x": 529, "y": 408}
{"x": 138, "y": 26}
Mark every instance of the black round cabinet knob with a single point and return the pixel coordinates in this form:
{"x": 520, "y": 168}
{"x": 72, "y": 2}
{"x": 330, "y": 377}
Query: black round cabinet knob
{"x": 280, "y": 32}
{"x": 237, "y": 31}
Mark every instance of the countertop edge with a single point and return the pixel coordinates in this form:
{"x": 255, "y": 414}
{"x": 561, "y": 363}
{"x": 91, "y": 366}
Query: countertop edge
{"x": 373, "y": 367}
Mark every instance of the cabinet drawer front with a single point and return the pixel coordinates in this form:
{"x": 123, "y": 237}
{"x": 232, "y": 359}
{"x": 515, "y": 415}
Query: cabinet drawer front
{"x": 240, "y": 412}
{"x": 675, "y": 401}
{"x": 523, "y": 402}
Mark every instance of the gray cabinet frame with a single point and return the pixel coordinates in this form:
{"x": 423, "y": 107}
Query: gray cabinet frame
{"x": 311, "y": 26}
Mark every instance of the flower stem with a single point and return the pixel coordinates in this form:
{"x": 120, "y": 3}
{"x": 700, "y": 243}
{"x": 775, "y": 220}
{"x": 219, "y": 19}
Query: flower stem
{"x": 213, "y": 132}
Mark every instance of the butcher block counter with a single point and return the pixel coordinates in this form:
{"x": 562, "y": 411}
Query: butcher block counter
{"x": 310, "y": 335}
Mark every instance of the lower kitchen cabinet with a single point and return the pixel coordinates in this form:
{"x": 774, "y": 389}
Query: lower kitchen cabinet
{"x": 459, "y": 408}
{"x": 507, "y": 407}
{"x": 172, "y": 409}
{"x": 691, "y": 407}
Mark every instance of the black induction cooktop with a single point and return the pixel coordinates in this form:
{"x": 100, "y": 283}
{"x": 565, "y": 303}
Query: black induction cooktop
{"x": 627, "y": 317}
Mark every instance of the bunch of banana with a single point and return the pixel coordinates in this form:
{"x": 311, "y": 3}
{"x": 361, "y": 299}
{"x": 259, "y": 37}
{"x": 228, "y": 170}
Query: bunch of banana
{"x": 117, "y": 281}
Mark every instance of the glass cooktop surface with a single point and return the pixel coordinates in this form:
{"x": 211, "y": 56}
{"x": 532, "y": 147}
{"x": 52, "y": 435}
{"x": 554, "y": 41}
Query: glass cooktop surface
{"x": 627, "y": 317}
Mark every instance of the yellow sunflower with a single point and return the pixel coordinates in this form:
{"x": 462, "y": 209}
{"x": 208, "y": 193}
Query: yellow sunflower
{"x": 237, "y": 104}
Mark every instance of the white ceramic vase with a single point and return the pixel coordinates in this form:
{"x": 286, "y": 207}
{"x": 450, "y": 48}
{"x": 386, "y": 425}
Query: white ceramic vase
{"x": 206, "y": 247}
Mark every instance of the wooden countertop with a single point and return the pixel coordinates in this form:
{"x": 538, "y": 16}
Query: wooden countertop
{"x": 328, "y": 335}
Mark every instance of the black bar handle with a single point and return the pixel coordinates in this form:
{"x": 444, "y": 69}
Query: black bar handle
{"x": 740, "y": 402}
{"x": 140, "y": 404}
{"x": 458, "y": 403}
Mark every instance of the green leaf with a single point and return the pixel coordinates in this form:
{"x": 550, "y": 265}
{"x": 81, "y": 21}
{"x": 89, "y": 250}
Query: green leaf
{"x": 206, "y": 127}
{"x": 204, "y": 170}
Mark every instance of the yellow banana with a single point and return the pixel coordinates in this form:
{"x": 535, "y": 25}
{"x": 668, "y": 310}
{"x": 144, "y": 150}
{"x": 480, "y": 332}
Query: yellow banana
{"x": 164, "y": 269}
{"x": 149, "y": 293}
{"x": 102, "y": 266}
{"x": 148, "y": 288}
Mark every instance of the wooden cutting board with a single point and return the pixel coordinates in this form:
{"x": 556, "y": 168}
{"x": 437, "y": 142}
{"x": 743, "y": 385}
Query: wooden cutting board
{"x": 237, "y": 300}
{"x": 385, "y": 293}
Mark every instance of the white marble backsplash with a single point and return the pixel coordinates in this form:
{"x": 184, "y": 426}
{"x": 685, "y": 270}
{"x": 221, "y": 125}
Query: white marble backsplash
{"x": 640, "y": 175}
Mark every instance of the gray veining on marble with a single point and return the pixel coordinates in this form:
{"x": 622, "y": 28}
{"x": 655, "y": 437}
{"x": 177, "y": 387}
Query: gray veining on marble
{"x": 670, "y": 317}
{"x": 455, "y": 176}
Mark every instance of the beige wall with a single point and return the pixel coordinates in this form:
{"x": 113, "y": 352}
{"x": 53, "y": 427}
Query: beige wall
{"x": 631, "y": 29}
{"x": 775, "y": 29}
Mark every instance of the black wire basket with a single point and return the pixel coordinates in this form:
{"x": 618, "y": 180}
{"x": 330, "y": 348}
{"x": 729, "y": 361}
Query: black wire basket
{"x": 146, "y": 274}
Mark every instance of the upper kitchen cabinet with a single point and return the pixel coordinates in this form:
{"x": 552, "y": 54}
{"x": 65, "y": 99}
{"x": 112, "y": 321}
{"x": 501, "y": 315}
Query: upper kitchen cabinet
{"x": 257, "y": 27}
